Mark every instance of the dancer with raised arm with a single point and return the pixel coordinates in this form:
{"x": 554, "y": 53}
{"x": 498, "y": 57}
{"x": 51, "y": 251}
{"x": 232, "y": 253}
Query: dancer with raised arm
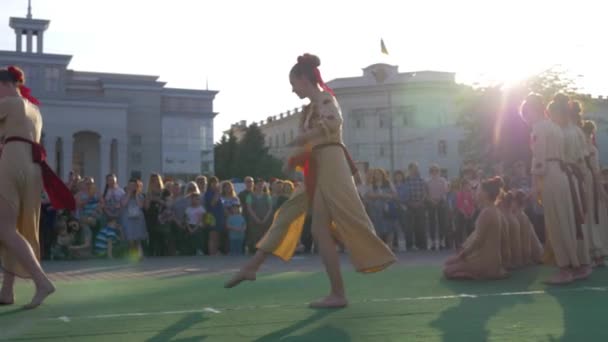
{"x": 329, "y": 190}
{"x": 23, "y": 172}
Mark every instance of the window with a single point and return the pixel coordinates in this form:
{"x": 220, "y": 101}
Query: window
{"x": 136, "y": 157}
{"x": 291, "y": 135}
{"x": 381, "y": 151}
{"x": 51, "y": 79}
{"x": 276, "y": 140}
{"x": 442, "y": 148}
{"x": 135, "y": 140}
{"x": 270, "y": 142}
{"x": 359, "y": 124}
{"x": 381, "y": 122}
{"x": 284, "y": 138}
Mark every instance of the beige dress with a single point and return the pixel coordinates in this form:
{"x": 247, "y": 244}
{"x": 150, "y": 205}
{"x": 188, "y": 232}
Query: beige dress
{"x": 547, "y": 152}
{"x": 514, "y": 240}
{"x": 481, "y": 254}
{"x": 576, "y": 150}
{"x": 350, "y": 223}
{"x": 20, "y": 178}
{"x": 531, "y": 248}
{"x": 598, "y": 230}
{"x": 505, "y": 242}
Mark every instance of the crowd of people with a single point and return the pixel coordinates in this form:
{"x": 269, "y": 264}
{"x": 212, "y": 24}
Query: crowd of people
{"x": 171, "y": 217}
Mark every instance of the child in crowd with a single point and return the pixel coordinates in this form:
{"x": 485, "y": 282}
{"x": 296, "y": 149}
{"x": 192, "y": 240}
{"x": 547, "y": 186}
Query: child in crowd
{"x": 65, "y": 238}
{"x": 236, "y": 226}
{"x": 107, "y": 239}
{"x": 195, "y": 225}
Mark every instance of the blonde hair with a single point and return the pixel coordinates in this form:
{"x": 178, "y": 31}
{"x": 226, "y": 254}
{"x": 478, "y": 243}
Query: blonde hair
{"x": 231, "y": 191}
{"x": 160, "y": 181}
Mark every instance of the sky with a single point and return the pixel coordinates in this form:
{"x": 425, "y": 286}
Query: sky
{"x": 245, "y": 49}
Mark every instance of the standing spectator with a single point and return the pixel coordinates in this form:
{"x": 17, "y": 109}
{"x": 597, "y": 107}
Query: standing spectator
{"x": 153, "y": 203}
{"x": 380, "y": 196}
{"x": 259, "y": 206}
{"x": 87, "y": 203}
{"x": 437, "y": 207}
{"x": 465, "y": 214}
{"x": 201, "y": 182}
{"x": 401, "y": 200}
{"x": 215, "y": 211}
{"x": 111, "y": 198}
{"x": 195, "y": 214}
{"x": 416, "y": 191}
{"x": 243, "y": 199}
{"x": 133, "y": 221}
{"x": 237, "y": 227}
{"x": 229, "y": 199}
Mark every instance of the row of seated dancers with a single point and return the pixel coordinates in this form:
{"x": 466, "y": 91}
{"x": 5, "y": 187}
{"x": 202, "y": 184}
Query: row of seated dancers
{"x": 503, "y": 240}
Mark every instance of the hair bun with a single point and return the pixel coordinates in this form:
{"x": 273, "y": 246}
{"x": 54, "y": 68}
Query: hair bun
{"x": 309, "y": 59}
{"x": 17, "y": 74}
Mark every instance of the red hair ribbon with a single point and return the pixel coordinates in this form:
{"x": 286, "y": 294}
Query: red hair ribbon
{"x": 322, "y": 84}
{"x": 26, "y": 93}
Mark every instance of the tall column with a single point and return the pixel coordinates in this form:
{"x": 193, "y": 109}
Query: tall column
{"x": 68, "y": 158}
{"x": 104, "y": 157}
{"x": 122, "y": 167}
{"x": 18, "y": 39}
{"x": 39, "y": 42}
{"x": 50, "y": 143}
{"x": 29, "y": 41}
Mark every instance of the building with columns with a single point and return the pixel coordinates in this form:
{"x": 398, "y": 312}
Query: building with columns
{"x": 390, "y": 119}
{"x": 101, "y": 123}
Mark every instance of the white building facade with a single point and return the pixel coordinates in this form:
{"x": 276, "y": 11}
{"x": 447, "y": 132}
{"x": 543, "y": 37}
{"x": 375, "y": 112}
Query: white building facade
{"x": 390, "y": 120}
{"x": 101, "y": 123}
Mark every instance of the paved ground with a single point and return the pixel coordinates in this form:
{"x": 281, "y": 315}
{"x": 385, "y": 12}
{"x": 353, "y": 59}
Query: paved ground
{"x": 168, "y": 267}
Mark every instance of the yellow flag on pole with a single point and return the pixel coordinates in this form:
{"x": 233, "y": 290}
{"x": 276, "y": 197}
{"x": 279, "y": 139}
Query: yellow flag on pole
{"x": 383, "y": 47}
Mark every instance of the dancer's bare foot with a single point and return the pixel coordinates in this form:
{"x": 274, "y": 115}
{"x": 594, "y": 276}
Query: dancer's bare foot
{"x": 330, "y": 302}
{"x": 41, "y": 293}
{"x": 560, "y": 278}
{"x": 6, "y": 298}
{"x": 239, "y": 277}
{"x": 582, "y": 272}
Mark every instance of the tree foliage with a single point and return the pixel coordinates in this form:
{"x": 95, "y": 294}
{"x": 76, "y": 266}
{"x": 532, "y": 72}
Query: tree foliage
{"x": 494, "y": 131}
{"x": 248, "y": 157}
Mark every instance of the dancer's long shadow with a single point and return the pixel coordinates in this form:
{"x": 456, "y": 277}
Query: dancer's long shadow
{"x": 319, "y": 314}
{"x": 182, "y": 325}
{"x": 584, "y": 313}
{"x": 468, "y": 320}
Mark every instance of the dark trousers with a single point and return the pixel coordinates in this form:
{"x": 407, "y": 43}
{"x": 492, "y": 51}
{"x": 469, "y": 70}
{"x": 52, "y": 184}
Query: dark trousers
{"x": 437, "y": 220}
{"x": 416, "y": 234}
{"x": 464, "y": 228}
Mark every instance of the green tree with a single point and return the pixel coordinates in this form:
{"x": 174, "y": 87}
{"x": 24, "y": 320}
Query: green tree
{"x": 248, "y": 157}
{"x": 225, "y": 154}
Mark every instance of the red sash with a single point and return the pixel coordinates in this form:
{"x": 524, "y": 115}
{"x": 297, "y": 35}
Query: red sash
{"x": 309, "y": 167}
{"x": 60, "y": 196}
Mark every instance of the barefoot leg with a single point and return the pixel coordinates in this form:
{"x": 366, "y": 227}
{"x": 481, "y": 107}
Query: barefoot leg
{"x": 327, "y": 249}
{"x": 249, "y": 270}
{"x": 7, "y": 296}
{"x": 20, "y": 249}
